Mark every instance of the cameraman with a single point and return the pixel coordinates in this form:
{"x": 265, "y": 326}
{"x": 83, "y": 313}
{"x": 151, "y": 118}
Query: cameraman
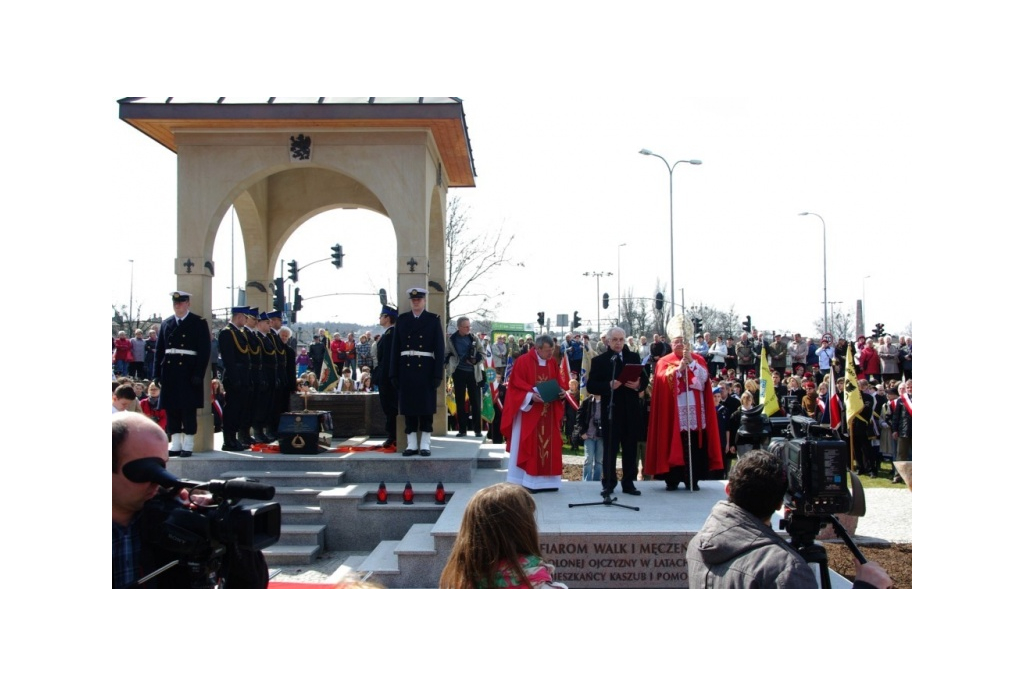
{"x": 737, "y": 547}
{"x": 134, "y": 554}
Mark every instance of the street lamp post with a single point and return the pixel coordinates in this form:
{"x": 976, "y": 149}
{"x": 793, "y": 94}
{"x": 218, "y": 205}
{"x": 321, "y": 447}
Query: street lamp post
{"x": 131, "y": 294}
{"x": 598, "y": 274}
{"x": 671, "y": 228}
{"x": 864, "y": 302}
{"x": 824, "y": 270}
{"x": 618, "y": 285}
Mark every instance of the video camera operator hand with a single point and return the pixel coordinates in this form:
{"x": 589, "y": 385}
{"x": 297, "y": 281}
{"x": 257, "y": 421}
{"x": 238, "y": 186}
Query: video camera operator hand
{"x": 737, "y": 548}
{"x": 136, "y": 554}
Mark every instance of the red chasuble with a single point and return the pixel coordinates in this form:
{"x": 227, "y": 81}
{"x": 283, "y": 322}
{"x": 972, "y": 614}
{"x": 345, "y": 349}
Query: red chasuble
{"x": 540, "y": 434}
{"x": 664, "y": 444}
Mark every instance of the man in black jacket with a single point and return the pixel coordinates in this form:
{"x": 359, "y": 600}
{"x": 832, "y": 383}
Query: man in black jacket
{"x": 621, "y": 413}
{"x": 417, "y": 368}
{"x": 182, "y": 358}
{"x": 382, "y": 374}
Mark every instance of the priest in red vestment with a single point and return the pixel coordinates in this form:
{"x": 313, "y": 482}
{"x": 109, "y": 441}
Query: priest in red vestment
{"x": 531, "y": 426}
{"x": 683, "y": 420}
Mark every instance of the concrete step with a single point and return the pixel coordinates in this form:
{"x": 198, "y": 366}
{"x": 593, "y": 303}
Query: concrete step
{"x": 303, "y": 534}
{"x": 298, "y": 495}
{"x": 417, "y": 541}
{"x": 382, "y": 560}
{"x": 290, "y": 555}
{"x": 322, "y": 479}
{"x": 299, "y": 514}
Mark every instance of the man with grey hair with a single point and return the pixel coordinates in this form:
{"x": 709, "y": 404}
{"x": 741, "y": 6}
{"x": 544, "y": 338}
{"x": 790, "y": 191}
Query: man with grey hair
{"x": 463, "y": 354}
{"x": 621, "y": 412}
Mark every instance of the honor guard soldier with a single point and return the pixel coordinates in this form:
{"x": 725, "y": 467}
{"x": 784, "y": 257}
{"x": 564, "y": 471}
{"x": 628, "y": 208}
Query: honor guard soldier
{"x": 417, "y": 368}
{"x": 252, "y": 316}
{"x": 264, "y": 400}
{"x": 382, "y": 374}
{"x": 182, "y": 356}
{"x": 234, "y": 352}
{"x": 281, "y": 394}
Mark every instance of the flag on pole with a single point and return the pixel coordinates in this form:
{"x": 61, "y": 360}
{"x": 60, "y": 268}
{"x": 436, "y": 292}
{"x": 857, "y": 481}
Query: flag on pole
{"x": 487, "y": 405}
{"x": 851, "y": 395}
{"x": 567, "y": 376}
{"x": 769, "y": 401}
{"x": 585, "y": 373}
{"x": 329, "y": 375}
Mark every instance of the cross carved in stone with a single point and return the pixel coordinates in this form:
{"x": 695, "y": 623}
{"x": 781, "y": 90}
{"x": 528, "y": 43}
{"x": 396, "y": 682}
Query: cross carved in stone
{"x": 412, "y": 264}
{"x": 188, "y": 265}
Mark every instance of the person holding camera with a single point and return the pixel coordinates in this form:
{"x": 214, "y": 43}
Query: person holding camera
{"x": 136, "y": 530}
{"x": 737, "y": 547}
{"x": 463, "y": 354}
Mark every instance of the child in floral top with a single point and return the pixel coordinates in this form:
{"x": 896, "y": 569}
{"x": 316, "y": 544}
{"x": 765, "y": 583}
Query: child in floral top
{"x": 498, "y": 545}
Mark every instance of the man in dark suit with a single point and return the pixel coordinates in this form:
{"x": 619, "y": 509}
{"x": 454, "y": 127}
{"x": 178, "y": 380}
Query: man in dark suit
{"x": 382, "y": 374}
{"x": 417, "y": 368}
{"x": 282, "y": 394}
{"x": 621, "y": 412}
{"x": 182, "y": 358}
{"x": 255, "y": 394}
{"x": 234, "y": 351}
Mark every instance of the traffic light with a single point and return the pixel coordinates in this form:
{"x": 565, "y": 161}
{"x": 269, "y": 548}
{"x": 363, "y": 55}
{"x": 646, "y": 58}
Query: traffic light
{"x": 296, "y": 301}
{"x": 698, "y": 325}
{"x": 746, "y": 325}
{"x": 604, "y": 300}
{"x": 279, "y": 294}
{"x": 540, "y": 318}
{"x": 576, "y": 322}
{"x": 293, "y": 271}
{"x": 879, "y": 330}
{"x": 336, "y": 256}
{"x": 659, "y": 301}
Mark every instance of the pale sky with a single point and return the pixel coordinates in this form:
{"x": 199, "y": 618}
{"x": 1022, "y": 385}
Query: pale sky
{"x": 789, "y": 112}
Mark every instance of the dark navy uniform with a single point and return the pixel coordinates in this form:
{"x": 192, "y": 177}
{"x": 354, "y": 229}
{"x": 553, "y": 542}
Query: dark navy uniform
{"x": 234, "y": 352}
{"x": 255, "y": 381}
{"x": 417, "y": 368}
{"x": 264, "y": 401}
{"x": 182, "y": 357}
{"x": 382, "y": 377}
{"x": 279, "y": 403}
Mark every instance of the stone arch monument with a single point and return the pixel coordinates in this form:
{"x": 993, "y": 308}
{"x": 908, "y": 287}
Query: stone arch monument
{"x": 281, "y": 161}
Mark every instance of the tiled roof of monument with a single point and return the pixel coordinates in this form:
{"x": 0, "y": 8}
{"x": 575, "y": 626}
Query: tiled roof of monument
{"x": 160, "y": 118}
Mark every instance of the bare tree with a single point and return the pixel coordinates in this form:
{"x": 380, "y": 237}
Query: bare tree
{"x": 715, "y": 321}
{"x": 474, "y": 257}
{"x": 636, "y": 313}
{"x": 843, "y": 324}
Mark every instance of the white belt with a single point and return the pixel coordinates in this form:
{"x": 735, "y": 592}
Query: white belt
{"x": 175, "y": 350}
{"x": 415, "y": 353}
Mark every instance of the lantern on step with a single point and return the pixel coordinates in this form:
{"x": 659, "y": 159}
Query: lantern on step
{"x": 407, "y": 493}
{"x": 382, "y": 493}
{"x": 439, "y": 494}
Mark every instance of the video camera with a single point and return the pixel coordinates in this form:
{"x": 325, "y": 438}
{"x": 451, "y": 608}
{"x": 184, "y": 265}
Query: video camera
{"x": 816, "y": 488}
{"x": 205, "y": 535}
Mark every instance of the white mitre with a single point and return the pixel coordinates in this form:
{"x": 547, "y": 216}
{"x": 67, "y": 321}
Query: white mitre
{"x": 679, "y": 327}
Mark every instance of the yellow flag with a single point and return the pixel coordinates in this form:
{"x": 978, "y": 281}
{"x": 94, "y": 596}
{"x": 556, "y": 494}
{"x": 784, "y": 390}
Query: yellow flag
{"x": 851, "y": 393}
{"x": 768, "y": 397}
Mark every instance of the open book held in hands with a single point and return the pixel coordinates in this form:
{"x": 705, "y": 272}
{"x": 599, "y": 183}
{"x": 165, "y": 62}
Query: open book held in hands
{"x": 549, "y": 390}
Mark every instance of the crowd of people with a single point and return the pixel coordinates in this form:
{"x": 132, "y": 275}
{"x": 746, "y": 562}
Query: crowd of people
{"x": 678, "y": 409}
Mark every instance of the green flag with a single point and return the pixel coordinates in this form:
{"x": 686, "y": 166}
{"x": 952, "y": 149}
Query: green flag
{"x": 329, "y": 375}
{"x": 487, "y": 406}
